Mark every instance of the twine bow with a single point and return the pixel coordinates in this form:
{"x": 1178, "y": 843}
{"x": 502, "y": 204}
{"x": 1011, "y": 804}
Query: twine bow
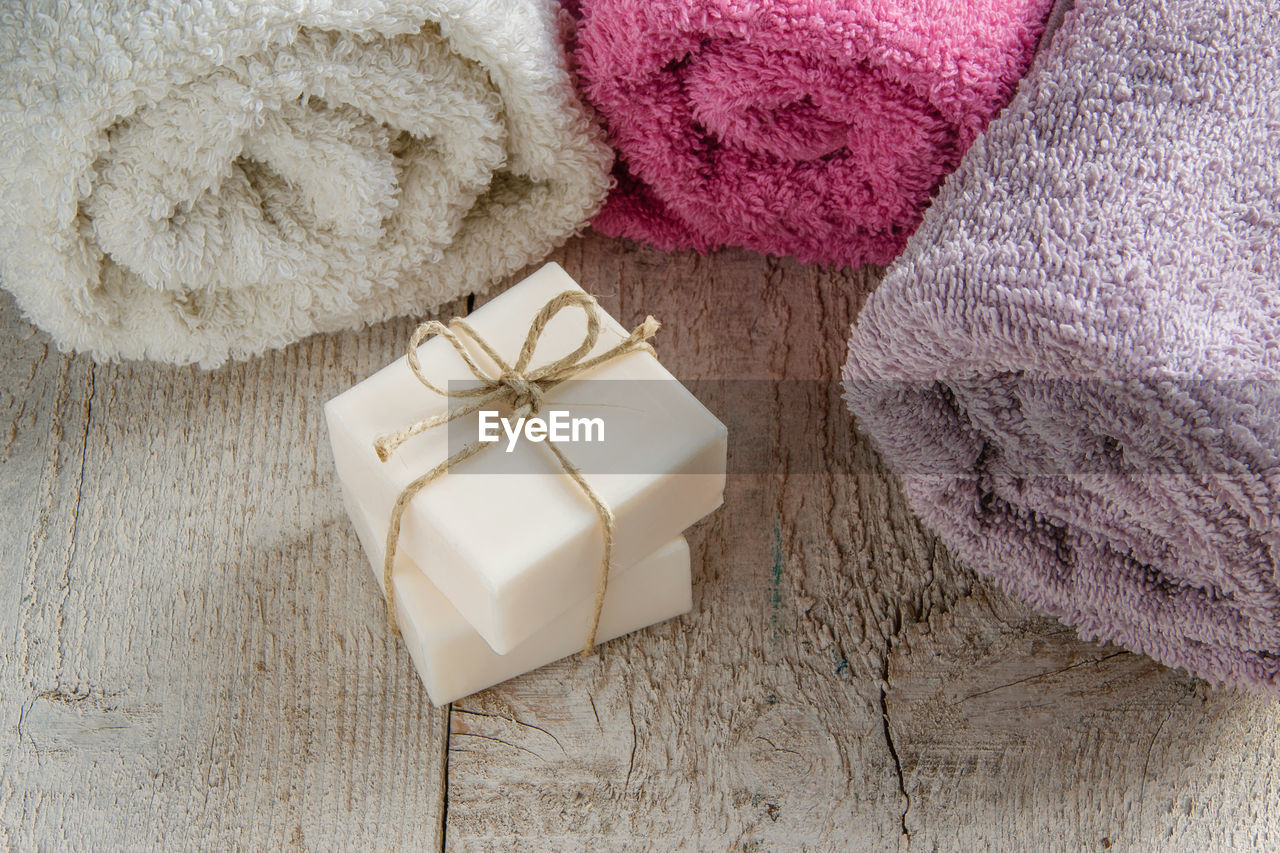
{"x": 524, "y": 390}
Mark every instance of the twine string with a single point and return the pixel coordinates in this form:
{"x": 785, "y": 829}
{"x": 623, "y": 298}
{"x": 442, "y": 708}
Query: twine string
{"x": 524, "y": 390}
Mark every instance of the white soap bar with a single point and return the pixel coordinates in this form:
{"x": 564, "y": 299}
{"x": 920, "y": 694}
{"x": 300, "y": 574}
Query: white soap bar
{"x": 512, "y": 551}
{"x": 454, "y": 661}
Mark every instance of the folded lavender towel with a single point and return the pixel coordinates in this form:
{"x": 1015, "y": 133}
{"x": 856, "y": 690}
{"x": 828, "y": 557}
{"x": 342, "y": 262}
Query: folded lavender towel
{"x": 1075, "y": 366}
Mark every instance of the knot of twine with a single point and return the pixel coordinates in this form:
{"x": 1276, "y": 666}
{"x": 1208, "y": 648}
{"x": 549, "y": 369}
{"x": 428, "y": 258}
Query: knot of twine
{"x": 526, "y": 394}
{"x": 524, "y": 390}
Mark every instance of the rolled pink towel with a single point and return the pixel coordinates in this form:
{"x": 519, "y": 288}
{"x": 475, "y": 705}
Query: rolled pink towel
{"x": 815, "y": 128}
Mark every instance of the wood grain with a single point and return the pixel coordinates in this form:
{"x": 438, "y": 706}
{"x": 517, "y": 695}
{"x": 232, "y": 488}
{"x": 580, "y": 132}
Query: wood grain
{"x": 1015, "y": 734}
{"x": 195, "y": 654}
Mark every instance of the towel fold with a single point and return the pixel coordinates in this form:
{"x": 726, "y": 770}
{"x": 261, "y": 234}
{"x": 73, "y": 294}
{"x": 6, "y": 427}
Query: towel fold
{"x": 196, "y": 182}
{"x": 812, "y": 128}
{"x": 1075, "y": 365}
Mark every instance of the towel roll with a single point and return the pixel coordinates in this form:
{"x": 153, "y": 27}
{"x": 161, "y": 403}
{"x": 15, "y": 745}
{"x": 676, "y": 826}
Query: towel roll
{"x": 1075, "y": 365}
{"x": 196, "y": 182}
{"x": 812, "y": 128}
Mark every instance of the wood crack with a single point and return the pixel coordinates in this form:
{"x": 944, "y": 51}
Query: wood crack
{"x": 444, "y": 778}
{"x": 1040, "y": 675}
{"x": 893, "y": 749}
{"x": 1146, "y": 764}
{"x": 517, "y": 722}
{"x": 505, "y": 743}
{"x": 635, "y": 739}
{"x": 775, "y": 747}
{"x": 65, "y": 579}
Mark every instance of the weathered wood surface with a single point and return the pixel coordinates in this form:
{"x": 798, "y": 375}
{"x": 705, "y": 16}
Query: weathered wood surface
{"x": 194, "y": 652}
{"x": 190, "y": 656}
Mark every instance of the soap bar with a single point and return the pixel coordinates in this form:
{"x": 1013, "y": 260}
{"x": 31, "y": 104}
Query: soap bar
{"x": 453, "y": 661}
{"x": 507, "y": 537}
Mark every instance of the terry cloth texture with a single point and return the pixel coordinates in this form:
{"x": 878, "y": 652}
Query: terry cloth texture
{"x": 812, "y": 128}
{"x": 192, "y": 182}
{"x": 1075, "y": 365}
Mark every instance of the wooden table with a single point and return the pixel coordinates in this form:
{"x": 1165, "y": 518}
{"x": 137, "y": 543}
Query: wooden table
{"x": 194, "y": 652}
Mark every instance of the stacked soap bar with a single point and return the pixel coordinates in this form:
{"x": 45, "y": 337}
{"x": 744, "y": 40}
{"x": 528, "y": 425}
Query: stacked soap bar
{"x": 454, "y": 661}
{"x": 498, "y": 561}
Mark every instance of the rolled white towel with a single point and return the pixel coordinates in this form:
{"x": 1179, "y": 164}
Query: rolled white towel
{"x": 197, "y": 181}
